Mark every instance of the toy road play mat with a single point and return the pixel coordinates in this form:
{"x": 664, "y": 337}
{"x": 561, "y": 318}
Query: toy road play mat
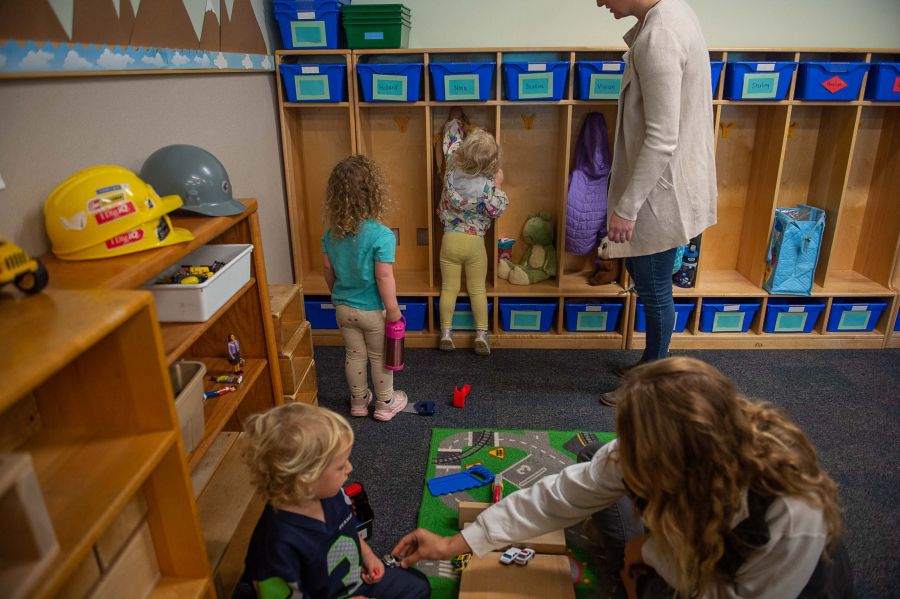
{"x": 523, "y": 458}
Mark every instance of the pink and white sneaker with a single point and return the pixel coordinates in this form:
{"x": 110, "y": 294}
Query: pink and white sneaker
{"x": 360, "y": 407}
{"x": 386, "y": 411}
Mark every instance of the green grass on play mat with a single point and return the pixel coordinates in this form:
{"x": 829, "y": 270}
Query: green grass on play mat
{"x": 435, "y": 516}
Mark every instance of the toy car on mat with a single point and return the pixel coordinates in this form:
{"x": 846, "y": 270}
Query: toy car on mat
{"x": 460, "y": 562}
{"x": 524, "y": 556}
{"x": 509, "y": 556}
{"x": 17, "y": 267}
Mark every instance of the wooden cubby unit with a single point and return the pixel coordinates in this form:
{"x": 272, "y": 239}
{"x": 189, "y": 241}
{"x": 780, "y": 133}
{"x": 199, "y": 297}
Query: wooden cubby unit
{"x": 841, "y": 157}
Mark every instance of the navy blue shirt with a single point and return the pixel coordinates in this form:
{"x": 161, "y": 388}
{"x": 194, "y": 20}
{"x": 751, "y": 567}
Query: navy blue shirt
{"x": 293, "y": 556}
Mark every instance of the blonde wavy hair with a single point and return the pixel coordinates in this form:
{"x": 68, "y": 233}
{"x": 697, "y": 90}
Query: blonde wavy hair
{"x": 356, "y": 192}
{"x": 290, "y": 447}
{"x": 689, "y": 445}
{"x": 479, "y": 154}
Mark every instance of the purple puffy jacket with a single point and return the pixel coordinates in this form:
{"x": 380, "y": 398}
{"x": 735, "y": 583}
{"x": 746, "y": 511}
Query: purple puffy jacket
{"x": 586, "y": 214}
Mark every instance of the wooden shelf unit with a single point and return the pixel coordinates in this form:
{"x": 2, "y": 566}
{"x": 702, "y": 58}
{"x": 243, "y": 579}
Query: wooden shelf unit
{"x": 247, "y": 315}
{"x": 841, "y": 157}
{"x": 87, "y": 395}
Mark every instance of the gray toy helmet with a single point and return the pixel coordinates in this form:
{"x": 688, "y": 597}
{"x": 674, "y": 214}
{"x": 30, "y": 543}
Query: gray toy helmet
{"x": 193, "y": 174}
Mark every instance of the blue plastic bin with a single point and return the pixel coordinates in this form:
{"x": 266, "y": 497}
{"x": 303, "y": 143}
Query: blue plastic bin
{"x": 462, "y": 80}
{"x": 536, "y": 80}
{"x": 682, "y": 312}
{"x": 534, "y": 314}
{"x": 599, "y": 80}
{"x": 716, "y": 66}
{"x": 390, "y": 82}
{"x": 884, "y": 82}
{"x": 791, "y": 315}
{"x": 727, "y": 317}
{"x": 830, "y": 81}
{"x": 303, "y": 30}
{"x": 320, "y": 312}
{"x": 857, "y": 316}
{"x": 594, "y": 318}
{"x": 463, "y": 318}
{"x": 897, "y": 324}
{"x": 314, "y": 82}
{"x": 758, "y": 80}
{"x": 300, "y": 5}
{"x": 414, "y": 310}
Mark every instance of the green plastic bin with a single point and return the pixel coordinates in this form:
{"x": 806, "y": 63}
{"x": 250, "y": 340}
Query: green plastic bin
{"x": 384, "y": 34}
{"x": 370, "y": 9}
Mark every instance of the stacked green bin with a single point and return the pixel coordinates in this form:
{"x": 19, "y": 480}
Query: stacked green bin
{"x": 377, "y": 26}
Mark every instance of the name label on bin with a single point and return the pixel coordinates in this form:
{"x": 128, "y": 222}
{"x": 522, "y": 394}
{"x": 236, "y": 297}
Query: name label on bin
{"x": 795, "y": 308}
{"x": 765, "y": 66}
{"x": 306, "y": 16}
{"x": 309, "y": 70}
{"x": 593, "y": 309}
{"x": 308, "y": 33}
{"x": 611, "y": 67}
{"x": 537, "y": 85}
{"x": 537, "y": 67}
{"x": 374, "y": 35}
{"x": 835, "y": 84}
{"x": 312, "y": 87}
{"x": 897, "y": 85}
{"x": 605, "y": 87}
{"x": 327, "y": 306}
{"x": 760, "y": 87}
{"x": 731, "y": 308}
{"x": 389, "y": 87}
{"x": 461, "y": 87}
{"x": 860, "y": 308}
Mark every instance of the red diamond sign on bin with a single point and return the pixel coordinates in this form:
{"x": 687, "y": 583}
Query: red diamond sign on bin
{"x": 835, "y": 84}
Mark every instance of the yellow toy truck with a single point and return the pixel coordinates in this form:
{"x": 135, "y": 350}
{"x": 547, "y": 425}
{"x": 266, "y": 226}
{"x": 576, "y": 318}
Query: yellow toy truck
{"x": 17, "y": 267}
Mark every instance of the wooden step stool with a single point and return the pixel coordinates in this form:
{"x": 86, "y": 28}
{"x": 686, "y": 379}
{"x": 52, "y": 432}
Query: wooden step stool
{"x": 294, "y": 341}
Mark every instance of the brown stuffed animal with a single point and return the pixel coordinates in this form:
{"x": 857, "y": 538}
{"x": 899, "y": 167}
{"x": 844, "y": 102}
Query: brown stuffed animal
{"x": 606, "y": 272}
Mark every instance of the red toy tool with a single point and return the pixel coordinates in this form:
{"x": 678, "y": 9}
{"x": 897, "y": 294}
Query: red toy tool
{"x": 459, "y": 396}
{"x": 498, "y": 488}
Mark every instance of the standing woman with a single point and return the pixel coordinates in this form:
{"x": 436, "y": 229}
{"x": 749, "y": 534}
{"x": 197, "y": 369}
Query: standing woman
{"x": 662, "y": 189}
{"x": 735, "y": 501}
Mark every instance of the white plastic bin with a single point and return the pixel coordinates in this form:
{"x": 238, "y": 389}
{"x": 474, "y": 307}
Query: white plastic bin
{"x": 187, "y": 385}
{"x": 197, "y": 303}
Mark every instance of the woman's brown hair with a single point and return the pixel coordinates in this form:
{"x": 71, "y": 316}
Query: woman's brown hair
{"x": 691, "y": 445}
{"x": 356, "y": 192}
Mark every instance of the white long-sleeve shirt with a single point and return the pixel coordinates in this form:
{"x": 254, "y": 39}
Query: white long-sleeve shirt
{"x": 780, "y": 569}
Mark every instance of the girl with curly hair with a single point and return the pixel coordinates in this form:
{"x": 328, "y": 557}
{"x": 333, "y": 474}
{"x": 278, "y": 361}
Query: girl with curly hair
{"x": 734, "y": 499}
{"x": 358, "y": 253}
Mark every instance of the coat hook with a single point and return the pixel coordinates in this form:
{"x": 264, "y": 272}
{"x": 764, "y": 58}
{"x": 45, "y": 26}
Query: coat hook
{"x": 528, "y": 121}
{"x": 791, "y": 129}
{"x": 401, "y": 124}
{"x": 726, "y": 129}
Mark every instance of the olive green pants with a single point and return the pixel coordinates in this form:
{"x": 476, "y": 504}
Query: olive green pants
{"x": 458, "y": 251}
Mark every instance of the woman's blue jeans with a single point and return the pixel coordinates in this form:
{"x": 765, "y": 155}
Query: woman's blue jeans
{"x": 652, "y": 276}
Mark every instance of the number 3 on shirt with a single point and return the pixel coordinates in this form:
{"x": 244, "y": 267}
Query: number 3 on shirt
{"x": 345, "y": 549}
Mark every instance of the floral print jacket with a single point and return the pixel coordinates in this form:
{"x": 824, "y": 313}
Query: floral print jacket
{"x": 467, "y": 203}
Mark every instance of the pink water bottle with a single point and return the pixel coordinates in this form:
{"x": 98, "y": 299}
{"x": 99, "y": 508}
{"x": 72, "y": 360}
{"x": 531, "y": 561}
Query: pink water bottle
{"x": 394, "y": 332}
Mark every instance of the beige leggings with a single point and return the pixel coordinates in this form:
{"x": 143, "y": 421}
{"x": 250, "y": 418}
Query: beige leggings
{"x": 363, "y": 332}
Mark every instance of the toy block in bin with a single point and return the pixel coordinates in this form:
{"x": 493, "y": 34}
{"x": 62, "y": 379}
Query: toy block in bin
{"x": 286, "y": 303}
{"x": 462, "y": 80}
{"x": 528, "y": 314}
{"x": 295, "y": 360}
{"x": 463, "y": 317}
{"x": 884, "y": 82}
{"x": 583, "y": 317}
{"x": 732, "y": 316}
{"x": 307, "y": 29}
{"x": 849, "y": 315}
{"x": 792, "y": 315}
{"x": 682, "y": 313}
{"x": 187, "y": 386}
{"x": 314, "y": 82}
{"x": 758, "y": 80}
{"x": 390, "y": 82}
{"x": 536, "y": 80}
{"x": 28, "y": 542}
{"x": 599, "y": 79}
{"x": 830, "y": 81}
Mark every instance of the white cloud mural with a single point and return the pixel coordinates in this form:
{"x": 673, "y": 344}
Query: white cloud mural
{"x": 179, "y": 60}
{"x": 156, "y": 61}
{"x": 221, "y": 61}
{"x": 203, "y": 61}
{"x": 73, "y": 62}
{"x": 247, "y": 62}
{"x": 36, "y": 61}
{"x": 114, "y": 61}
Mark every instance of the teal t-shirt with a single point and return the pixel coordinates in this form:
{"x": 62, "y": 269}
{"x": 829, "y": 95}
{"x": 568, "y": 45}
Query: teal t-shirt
{"x": 353, "y": 259}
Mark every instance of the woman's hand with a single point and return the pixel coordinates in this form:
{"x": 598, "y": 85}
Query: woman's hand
{"x": 422, "y": 544}
{"x": 456, "y": 113}
{"x": 373, "y": 569}
{"x": 498, "y": 179}
{"x": 619, "y": 229}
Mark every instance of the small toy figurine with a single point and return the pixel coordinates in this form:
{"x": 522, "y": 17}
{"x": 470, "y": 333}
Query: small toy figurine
{"x": 509, "y": 556}
{"x": 219, "y": 392}
{"x": 227, "y": 379}
{"x": 234, "y": 354}
{"x": 459, "y": 396}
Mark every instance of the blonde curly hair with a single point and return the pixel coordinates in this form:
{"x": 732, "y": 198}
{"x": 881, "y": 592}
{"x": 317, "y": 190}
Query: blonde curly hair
{"x": 356, "y": 192}
{"x": 690, "y": 445}
{"x": 290, "y": 447}
{"x": 479, "y": 154}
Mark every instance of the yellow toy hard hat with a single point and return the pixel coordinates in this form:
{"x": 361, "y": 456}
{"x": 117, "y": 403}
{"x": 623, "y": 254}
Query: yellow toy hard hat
{"x": 107, "y": 211}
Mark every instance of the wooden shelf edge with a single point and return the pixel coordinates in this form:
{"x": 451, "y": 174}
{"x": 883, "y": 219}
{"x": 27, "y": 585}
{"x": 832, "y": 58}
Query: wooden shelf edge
{"x": 171, "y": 587}
{"x": 316, "y": 104}
{"x": 195, "y": 329}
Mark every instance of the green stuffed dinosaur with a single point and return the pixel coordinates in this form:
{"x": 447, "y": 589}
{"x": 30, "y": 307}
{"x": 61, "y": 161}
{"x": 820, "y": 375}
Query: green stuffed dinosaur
{"x": 539, "y": 262}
